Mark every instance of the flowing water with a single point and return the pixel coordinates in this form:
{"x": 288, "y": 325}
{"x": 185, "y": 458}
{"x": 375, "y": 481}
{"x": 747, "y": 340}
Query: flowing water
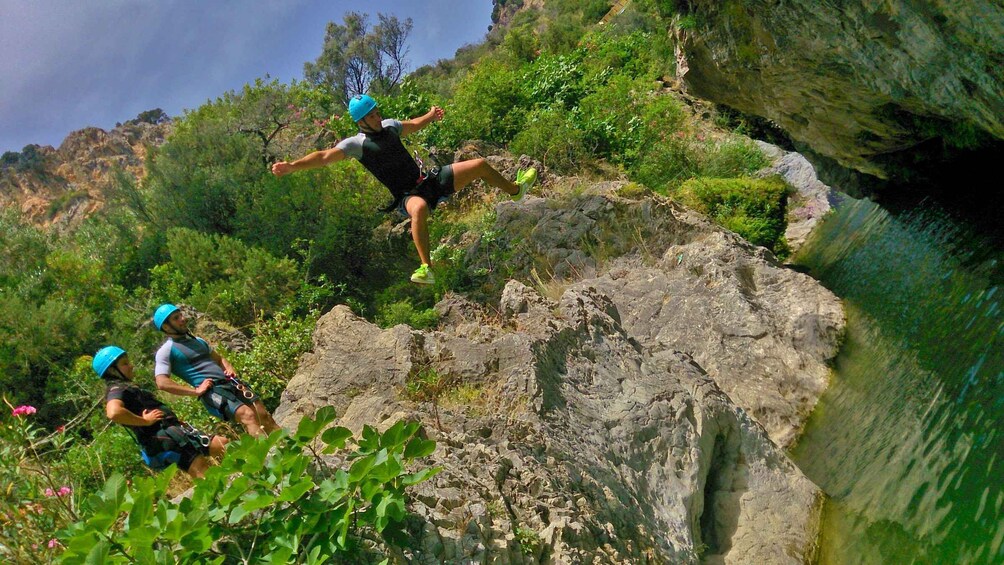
{"x": 908, "y": 441}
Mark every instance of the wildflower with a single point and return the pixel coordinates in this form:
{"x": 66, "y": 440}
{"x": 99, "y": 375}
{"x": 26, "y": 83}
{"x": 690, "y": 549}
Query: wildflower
{"x": 23, "y": 410}
{"x": 60, "y": 429}
{"x": 63, "y": 491}
{"x": 53, "y": 543}
{"x": 49, "y": 492}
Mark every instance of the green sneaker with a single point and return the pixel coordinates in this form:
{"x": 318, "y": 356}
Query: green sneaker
{"x": 423, "y": 275}
{"x": 524, "y": 180}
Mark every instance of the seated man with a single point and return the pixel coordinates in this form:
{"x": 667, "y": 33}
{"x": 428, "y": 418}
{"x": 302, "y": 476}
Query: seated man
{"x": 209, "y": 376}
{"x": 416, "y": 192}
{"x": 163, "y": 439}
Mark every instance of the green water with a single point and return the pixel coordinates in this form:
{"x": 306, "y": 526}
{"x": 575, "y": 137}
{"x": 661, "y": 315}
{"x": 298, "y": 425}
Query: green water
{"x": 907, "y": 441}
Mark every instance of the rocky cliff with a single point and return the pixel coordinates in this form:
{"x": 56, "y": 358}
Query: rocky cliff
{"x": 871, "y": 84}
{"x": 632, "y": 418}
{"x": 61, "y": 187}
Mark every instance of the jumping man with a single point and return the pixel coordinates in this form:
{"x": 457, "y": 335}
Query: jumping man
{"x": 163, "y": 439}
{"x": 210, "y": 377}
{"x": 416, "y": 193}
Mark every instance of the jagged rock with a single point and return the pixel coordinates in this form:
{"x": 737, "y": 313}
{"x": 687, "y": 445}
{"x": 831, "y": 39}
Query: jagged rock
{"x": 762, "y": 331}
{"x": 597, "y": 449}
{"x": 72, "y": 182}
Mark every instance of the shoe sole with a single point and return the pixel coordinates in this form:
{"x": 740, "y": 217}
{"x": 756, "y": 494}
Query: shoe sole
{"x": 422, "y": 281}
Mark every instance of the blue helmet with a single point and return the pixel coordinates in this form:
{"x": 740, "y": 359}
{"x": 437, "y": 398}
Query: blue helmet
{"x": 361, "y": 105}
{"x": 106, "y": 357}
{"x": 161, "y": 314}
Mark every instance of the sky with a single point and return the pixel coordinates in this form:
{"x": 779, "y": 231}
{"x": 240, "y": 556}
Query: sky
{"x": 69, "y": 64}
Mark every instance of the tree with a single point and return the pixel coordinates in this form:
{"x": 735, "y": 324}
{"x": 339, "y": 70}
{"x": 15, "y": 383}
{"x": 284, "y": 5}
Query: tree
{"x": 355, "y": 60}
{"x": 155, "y": 116}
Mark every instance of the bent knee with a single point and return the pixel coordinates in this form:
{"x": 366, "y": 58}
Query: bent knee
{"x": 417, "y": 207}
{"x": 245, "y": 413}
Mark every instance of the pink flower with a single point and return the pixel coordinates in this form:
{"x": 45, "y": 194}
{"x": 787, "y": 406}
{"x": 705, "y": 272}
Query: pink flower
{"x": 50, "y": 492}
{"x": 60, "y": 429}
{"x": 23, "y": 410}
{"x": 53, "y": 543}
{"x": 63, "y": 491}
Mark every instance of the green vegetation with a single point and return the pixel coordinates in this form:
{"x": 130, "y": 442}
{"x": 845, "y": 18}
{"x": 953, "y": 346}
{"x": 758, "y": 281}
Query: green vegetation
{"x": 273, "y": 500}
{"x": 753, "y": 208}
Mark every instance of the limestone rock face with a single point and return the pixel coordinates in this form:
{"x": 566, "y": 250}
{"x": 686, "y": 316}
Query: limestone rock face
{"x": 589, "y": 449}
{"x": 812, "y": 199}
{"x": 762, "y": 331}
{"x": 620, "y": 421}
{"x": 70, "y": 183}
{"x": 856, "y": 81}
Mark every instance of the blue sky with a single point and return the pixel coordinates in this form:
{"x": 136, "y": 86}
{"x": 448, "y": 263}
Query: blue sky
{"x": 68, "y": 64}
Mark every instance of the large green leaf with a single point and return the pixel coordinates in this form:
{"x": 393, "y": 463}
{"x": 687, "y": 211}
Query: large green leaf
{"x": 419, "y": 447}
{"x": 309, "y": 427}
{"x": 335, "y": 438}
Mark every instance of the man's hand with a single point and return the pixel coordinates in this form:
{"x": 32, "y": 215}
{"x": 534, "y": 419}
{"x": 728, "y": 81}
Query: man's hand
{"x": 203, "y": 387}
{"x": 282, "y": 168}
{"x": 437, "y": 113}
{"x": 152, "y": 416}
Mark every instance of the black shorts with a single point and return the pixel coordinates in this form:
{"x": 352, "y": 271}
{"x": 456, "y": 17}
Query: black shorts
{"x": 175, "y": 444}
{"x": 226, "y": 397}
{"x": 436, "y": 189}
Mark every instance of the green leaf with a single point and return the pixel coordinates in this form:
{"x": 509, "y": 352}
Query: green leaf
{"x": 389, "y": 470}
{"x": 370, "y": 489}
{"x": 360, "y": 468}
{"x": 419, "y": 447}
{"x": 142, "y": 508}
{"x": 98, "y": 555}
{"x": 295, "y": 490}
{"x": 335, "y": 438}
{"x": 280, "y": 555}
{"x": 237, "y": 514}
{"x": 393, "y": 435}
{"x": 257, "y": 502}
{"x": 423, "y": 475}
{"x": 310, "y": 427}
{"x": 330, "y": 490}
{"x": 236, "y": 489}
{"x": 314, "y": 557}
{"x": 197, "y": 540}
{"x": 370, "y": 441}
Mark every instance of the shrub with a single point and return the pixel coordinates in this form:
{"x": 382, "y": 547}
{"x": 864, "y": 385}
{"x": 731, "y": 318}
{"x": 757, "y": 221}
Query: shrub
{"x": 490, "y": 104}
{"x": 733, "y": 157}
{"x": 272, "y": 499}
{"x": 667, "y": 165}
{"x": 403, "y": 312}
{"x": 550, "y": 136}
{"x": 275, "y": 351}
{"x": 753, "y": 208}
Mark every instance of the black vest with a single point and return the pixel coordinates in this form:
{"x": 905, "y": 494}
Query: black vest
{"x": 386, "y": 157}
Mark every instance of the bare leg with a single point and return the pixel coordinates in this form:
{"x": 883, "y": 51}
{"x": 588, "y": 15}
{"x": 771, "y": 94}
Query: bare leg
{"x": 466, "y": 172}
{"x": 217, "y": 446}
{"x": 198, "y": 467}
{"x": 264, "y": 418}
{"x": 247, "y": 417}
{"x": 418, "y": 210}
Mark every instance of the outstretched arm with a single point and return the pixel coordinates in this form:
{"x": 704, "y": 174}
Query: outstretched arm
{"x": 411, "y": 126}
{"x": 311, "y": 161}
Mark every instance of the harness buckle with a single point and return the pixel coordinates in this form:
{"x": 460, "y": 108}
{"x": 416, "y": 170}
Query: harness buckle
{"x": 242, "y": 388}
